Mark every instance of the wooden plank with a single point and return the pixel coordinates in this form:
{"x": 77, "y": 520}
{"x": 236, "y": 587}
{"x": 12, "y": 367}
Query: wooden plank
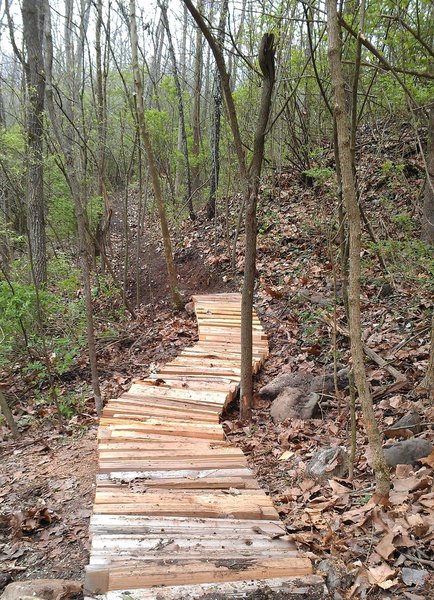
{"x": 308, "y": 586}
{"x": 113, "y": 551}
{"x": 152, "y": 425}
{"x": 183, "y": 464}
{"x": 115, "y": 409}
{"x": 185, "y": 509}
{"x": 250, "y": 505}
{"x": 246, "y": 544}
{"x": 141, "y": 389}
{"x": 193, "y": 473}
{"x": 168, "y": 453}
{"x": 159, "y": 572}
{"x": 197, "y": 382}
{"x": 162, "y": 443}
{"x": 185, "y": 483}
{"x": 178, "y": 526}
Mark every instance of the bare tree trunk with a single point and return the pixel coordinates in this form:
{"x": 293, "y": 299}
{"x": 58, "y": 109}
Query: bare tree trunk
{"x": 101, "y": 115}
{"x": 233, "y": 63}
{"x": 428, "y": 381}
{"x": 197, "y": 87}
{"x": 225, "y": 81}
{"x": 188, "y": 192}
{"x": 381, "y": 471}
{"x": 215, "y": 134}
{"x": 173, "y": 280}
{"x": 266, "y": 62}
{"x": 7, "y": 413}
{"x": 5, "y": 252}
{"x": 179, "y": 162}
{"x": 33, "y": 15}
{"x": 428, "y": 200}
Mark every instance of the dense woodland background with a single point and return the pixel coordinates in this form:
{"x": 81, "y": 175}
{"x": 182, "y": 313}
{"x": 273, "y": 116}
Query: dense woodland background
{"x": 130, "y": 177}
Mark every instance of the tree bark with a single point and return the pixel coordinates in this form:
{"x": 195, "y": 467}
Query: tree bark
{"x": 428, "y": 199}
{"x": 381, "y": 471}
{"x": 188, "y": 192}
{"x": 266, "y": 62}
{"x": 33, "y": 15}
{"x": 170, "y": 264}
{"x": 428, "y": 381}
{"x": 197, "y": 87}
{"x": 182, "y": 67}
{"x": 7, "y": 413}
{"x": 215, "y": 133}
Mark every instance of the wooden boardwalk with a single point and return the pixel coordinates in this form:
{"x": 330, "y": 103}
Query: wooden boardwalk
{"x": 177, "y": 513}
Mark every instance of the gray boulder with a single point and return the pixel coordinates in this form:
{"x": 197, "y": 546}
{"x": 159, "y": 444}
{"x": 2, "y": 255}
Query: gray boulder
{"x": 329, "y": 463}
{"x": 407, "y": 452}
{"x": 294, "y": 403}
{"x": 305, "y": 382}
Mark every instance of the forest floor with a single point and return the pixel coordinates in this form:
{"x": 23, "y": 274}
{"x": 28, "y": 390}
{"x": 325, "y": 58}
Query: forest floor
{"x": 47, "y": 476}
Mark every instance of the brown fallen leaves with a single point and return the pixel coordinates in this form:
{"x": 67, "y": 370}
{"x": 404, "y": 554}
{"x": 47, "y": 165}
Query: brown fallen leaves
{"x": 28, "y": 521}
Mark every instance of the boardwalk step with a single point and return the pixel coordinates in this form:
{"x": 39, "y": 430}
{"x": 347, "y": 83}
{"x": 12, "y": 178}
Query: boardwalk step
{"x": 177, "y": 512}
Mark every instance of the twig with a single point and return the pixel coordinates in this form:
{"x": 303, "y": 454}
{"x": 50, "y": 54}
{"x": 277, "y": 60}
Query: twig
{"x": 408, "y": 340}
{"x": 422, "y": 561}
{"x": 397, "y": 375}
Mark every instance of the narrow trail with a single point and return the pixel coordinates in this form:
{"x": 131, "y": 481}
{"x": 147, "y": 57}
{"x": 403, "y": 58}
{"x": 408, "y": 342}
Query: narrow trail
{"x": 178, "y": 513}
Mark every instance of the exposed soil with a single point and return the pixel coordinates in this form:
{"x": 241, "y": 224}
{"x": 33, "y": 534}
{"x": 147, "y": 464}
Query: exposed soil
{"x": 47, "y": 484}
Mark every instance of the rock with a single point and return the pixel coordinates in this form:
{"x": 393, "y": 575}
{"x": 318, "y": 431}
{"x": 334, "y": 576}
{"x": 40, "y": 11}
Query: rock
{"x": 304, "y": 381}
{"x": 329, "y": 463}
{"x": 290, "y": 380}
{"x": 309, "y": 296}
{"x": 386, "y": 290}
{"x": 307, "y": 407}
{"x": 336, "y": 574}
{"x": 415, "y": 577}
{"x": 295, "y": 404}
{"x": 43, "y": 589}
{"x": 189, "y": 308}
{"x": 283, "y": 405}
{"x": 326, "y": 384}
{"x": 5, "y": 578}
{"x": 405, "y": 427}
{"x": 407, "y": 452}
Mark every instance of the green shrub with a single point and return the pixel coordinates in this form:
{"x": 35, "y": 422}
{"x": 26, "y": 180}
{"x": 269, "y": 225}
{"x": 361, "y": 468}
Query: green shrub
{"x": 320, "y": 174}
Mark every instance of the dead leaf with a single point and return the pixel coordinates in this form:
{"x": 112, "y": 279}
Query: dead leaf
{"x": 382, "y": 576}
{"x": 286, "y": 455}
{"x": 385, "y": 548}
{"x": 428, "y": 460}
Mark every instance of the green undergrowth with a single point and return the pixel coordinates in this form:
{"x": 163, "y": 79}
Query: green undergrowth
{"x": 408, "y": 260}
{"x": 48, "y": 326}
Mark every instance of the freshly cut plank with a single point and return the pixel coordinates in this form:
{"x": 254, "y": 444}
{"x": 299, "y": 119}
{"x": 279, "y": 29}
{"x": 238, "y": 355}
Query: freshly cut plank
{"x": 152, "y": 425}
{"x": 138, "y": 413}
{"x": 174, "y": 526}
{"x": 186, "y": 483}
{"x": 159, "y": 464}
{"x": 308, "y": 586}
{"x": 194, "y": 474}
{"x": 183, "y": 572}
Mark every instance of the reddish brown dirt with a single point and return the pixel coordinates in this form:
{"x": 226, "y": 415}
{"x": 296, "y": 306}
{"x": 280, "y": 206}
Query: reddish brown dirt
{"x": 47, "y": 484}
